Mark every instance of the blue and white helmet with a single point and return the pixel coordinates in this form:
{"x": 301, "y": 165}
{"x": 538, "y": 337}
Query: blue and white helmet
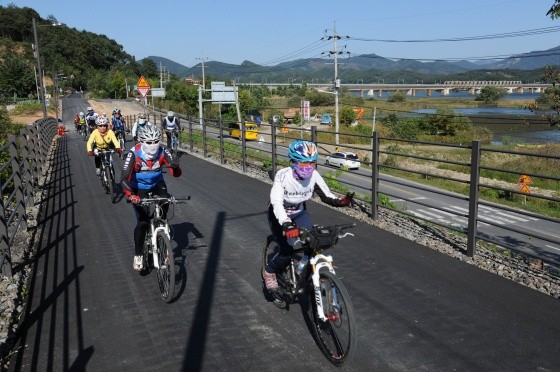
{"x": 302, "y": 151}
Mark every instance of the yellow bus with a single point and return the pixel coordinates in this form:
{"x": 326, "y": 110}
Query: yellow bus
{"x": 251, "y": 131}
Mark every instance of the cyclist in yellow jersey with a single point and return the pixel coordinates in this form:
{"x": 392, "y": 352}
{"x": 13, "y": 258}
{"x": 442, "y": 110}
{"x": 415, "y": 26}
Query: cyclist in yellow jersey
{"x": 102, "y": 138}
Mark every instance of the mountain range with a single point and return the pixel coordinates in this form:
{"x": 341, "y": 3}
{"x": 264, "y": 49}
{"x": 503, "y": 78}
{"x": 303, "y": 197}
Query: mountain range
{"x": 368, "y": 64}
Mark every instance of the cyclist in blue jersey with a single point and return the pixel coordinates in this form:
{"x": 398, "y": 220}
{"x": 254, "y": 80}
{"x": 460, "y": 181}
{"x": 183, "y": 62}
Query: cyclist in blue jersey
{"x": 118, "y": 123}
{"x": 142, "y": 174}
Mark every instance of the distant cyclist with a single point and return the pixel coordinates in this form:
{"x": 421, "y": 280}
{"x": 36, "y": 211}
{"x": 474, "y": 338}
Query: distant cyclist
{"x": 91, "y": 117}
{"x": 140, "y": 123}
{"x": 118, "y": 123}
{"x": 80, "y": 120}
{"x": 287, "y": 210}
{"x": 170, "y": 124}
{"x": 142, "y": 174}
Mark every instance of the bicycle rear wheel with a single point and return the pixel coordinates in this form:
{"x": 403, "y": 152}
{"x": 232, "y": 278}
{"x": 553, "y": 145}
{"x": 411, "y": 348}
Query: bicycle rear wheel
{"x": 166, "y": 271}
{"x": 337, "y": 336}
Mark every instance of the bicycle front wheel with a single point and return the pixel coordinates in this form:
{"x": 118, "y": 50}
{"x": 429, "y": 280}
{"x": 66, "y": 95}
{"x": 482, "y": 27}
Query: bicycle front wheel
{"x": 166, "y": 271}
{"x": 336, "y": 336}
{"x": 108, "y": 181}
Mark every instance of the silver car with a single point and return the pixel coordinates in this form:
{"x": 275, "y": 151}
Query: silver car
{"x": 343, "y": 159}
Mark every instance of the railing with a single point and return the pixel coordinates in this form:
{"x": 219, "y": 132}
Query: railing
{"x": 23, "y": 160}
{"x": 271, "y": 148}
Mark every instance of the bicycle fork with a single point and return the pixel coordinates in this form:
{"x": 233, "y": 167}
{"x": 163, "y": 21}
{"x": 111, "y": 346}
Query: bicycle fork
{"x": 319, "y": 262}
{"x": 155, "y": 253}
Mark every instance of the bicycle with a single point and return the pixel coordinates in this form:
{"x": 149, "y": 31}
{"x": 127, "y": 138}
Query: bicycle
{"x": 88, "y": 129}
{"x": 122, "y": 140}
{"x": 157, "y": 253}
{"x": 107, "y": 175}
{"x": 334, "y": 323}
{"x": 175, "y": 141}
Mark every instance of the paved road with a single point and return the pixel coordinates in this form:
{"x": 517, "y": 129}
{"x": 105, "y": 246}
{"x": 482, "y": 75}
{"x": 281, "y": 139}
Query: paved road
{"x": 416, "y": 308}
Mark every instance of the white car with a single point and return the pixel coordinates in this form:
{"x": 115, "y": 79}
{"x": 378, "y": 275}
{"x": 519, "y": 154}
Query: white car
{"x": 343, "y": 159}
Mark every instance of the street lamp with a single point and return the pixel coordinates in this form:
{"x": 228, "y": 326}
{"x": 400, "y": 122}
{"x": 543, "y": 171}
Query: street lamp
{"x": 37, "y": 55}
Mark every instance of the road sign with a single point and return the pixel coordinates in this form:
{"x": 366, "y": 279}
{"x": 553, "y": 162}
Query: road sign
{"x": 143, "y": 86}
{"x": 524, "y": 180}
{"x": 525, "y": 189}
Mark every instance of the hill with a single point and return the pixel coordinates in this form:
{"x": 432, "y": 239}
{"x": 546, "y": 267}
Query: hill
{"x": 373, "y": 68}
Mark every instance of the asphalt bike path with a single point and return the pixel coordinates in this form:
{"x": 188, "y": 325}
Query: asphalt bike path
{"x": 416, "y": 309}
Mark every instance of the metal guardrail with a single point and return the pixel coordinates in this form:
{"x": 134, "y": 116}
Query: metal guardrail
{"x": 209, "y": 139}
{"x": 23, "y": 160}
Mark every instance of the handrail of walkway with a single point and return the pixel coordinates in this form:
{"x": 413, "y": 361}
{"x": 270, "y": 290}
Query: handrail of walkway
{"x": 209, "y": 140}
{"x": 23, "y": 162}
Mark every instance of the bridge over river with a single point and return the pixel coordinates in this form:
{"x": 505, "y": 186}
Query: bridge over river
{"x": 416, "y": 309}
{"x": 411, "y": 89}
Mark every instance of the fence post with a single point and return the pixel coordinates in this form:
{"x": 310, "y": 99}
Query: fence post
{"x": 243, "y": 147}
{"x": 26, "y": 170}
{"x": 374, "y": 175}
{"x": 5, "y": 256}
{"x": 222, "y": 150}
{"x": 18, "y": 182}
{"x": 204, "y": 149}
{"x": 191, "y": 143}
{"x": 473, "y": 198}
{"x": 273, "y": 147}
{"x": 314, "y": 133}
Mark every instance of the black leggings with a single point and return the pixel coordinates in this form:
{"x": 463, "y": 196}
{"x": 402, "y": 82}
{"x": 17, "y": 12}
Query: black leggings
{"x": 143, "y": 215}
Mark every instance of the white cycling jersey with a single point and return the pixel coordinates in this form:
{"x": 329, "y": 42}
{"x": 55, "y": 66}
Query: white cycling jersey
{"x": 136, "y": 125}
{"x": 171, "y": 125}
{"x": 288, "y": 193}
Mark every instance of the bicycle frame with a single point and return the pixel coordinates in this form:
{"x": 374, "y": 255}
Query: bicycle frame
{"x": 156, "y": 225}
{"x": 106, "y": 161}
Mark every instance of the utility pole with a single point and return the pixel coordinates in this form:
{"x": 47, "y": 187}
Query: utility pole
{"x": 336, "y": 52}
{"x": 202, "y": 59}
{"x": 160, "y": 76}
{"x": 39, "y": 69}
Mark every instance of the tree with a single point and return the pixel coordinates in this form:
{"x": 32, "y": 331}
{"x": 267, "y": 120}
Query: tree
{"x": 347, "y": 115}
{"x": 490, "y": 94}
{"x": 554, "y": 11}
{"x": 16, "y": 75}
{"x": 445, "y": 122}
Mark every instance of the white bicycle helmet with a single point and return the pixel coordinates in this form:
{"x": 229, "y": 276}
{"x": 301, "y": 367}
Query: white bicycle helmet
{"x": 90, "y": 109}
{"x": 101, "y": 120}
{"x": 149, "y": 133}
{"x": 170, "y": 114}
{"x": 81, "y": 114}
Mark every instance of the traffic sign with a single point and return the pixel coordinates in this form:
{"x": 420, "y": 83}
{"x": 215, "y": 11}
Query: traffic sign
{"x": 524, "y": 180}
{"x": 525, "y": 189}
{"x": 143, "y": 86}
{"x": 142, "y": 82}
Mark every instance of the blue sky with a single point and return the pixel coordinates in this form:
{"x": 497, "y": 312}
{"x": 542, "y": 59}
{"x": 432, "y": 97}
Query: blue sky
{"x": 269, "y": 32}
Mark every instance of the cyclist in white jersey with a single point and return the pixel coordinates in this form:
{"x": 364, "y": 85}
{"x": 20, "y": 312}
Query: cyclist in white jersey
{"x": 293, "y": 186}
{"x": 170, "y": 124}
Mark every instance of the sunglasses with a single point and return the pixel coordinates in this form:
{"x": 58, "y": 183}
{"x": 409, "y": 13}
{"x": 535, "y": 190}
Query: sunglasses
{"x": 102, "y": 126}
{"x": 307, "y": 163}
{"x": 151, "y": 142}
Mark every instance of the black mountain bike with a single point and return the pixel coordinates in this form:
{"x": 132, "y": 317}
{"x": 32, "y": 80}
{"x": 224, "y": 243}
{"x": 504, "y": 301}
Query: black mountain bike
{"x": 334, "y": 322}
{"x": 107, "y": 175}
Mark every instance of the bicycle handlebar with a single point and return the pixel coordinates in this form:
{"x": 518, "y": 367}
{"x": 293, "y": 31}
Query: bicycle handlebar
{"x": 320, "y": 237}
{"x": 171, "y": 200}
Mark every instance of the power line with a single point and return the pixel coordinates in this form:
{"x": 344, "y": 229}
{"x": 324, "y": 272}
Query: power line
{"x": 536, "y": 31}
